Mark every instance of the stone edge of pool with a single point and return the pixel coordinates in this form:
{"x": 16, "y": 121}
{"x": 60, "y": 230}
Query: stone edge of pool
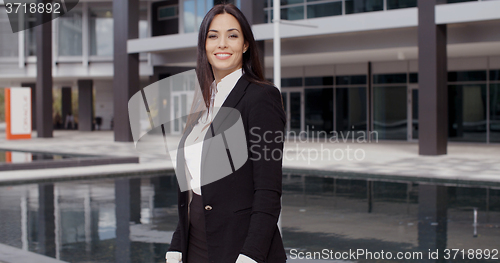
{"x": 107, "y": 171}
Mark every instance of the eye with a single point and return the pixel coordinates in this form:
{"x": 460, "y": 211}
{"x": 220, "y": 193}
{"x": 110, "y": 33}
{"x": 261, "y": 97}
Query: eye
{"x": 233, "y": 36}
{"x": 212, "y": 36}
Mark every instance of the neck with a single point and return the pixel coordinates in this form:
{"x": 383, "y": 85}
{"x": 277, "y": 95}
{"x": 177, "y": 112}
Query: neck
{"x": 220, "y": 75}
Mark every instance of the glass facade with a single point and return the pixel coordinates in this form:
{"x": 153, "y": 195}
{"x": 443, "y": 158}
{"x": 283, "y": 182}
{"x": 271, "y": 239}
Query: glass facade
{"x": 390, "y": 106}
{"x": 467, "y": 112}
{"x": 495, "y": 112}
{"x": 101, "y": 30}
{"x": 302, "y": 9}
{"x": 324, "y": 9}
{"x": 70, "y": 34}
{"x": 9, "y": 46}
{"x": 295, "y": 111}
{"x": 194, "y": 11}
{"x": 390, "y": 112}
{"x": 350, "y": 110}
{"x": 360, "y": 6}
{"x": 29, "y": 35}
{"x": 291, "y": 82}
{"x": 319, "y": 111}
{"x": 396, "y": 4}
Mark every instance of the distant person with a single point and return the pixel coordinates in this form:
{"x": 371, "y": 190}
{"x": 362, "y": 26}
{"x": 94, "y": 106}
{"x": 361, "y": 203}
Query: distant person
{"x": 70, "y": 120}
{"x": 57, "y": 121}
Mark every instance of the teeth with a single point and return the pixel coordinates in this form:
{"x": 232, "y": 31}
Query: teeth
{"x": 223, "y": 55}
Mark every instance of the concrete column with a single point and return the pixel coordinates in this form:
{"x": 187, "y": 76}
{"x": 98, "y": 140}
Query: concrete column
{"x": 46, "y": 220}
{"x": 85, "y": 105}
{"x": 33, "y": 103}
{"x": 126, "y": 66}
{"x": 66, "y": 103}
{"x": 128, "y": 209}
{"x": 44, "y": 75}
{"x": 432, "y": 219}
{"x": 433, "y": 91}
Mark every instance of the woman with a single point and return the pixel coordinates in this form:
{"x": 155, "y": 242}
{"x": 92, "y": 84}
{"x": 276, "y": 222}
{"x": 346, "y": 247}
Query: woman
{"x": 233, "y": 219}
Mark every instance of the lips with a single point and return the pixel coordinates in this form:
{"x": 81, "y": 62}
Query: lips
{"x": 222, "y": 55}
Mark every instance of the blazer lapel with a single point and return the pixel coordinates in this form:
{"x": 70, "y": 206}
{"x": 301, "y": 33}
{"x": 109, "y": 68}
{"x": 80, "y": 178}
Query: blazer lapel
{"x": 231, "y": 101}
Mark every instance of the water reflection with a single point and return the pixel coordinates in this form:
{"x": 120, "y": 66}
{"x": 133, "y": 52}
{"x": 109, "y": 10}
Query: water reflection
{"x": 133, "y": 219}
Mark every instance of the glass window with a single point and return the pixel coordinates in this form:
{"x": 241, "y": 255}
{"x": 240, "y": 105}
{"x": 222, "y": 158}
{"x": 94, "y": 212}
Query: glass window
{"x": 101, "y": 30}
{"x": 350, "y": 111}
{"x": 295, "y": 112}
{"x": 495, "y": 113}
{"x": 292, "y": 13}
{"x": 390, "y": 112}
{"x": 189, "y": 18}
{"x": 70, "y": 34}
{"x": 458, "y": 76}
{"x": 194, "y": 11}
{"x": 9, "y": 44}
{"x": 467, "y": 113}
{"x": 351, "y": 80}
{"x": 143, "y": 21}
{"x": 360, "y": 6}
{"x": 459, "y": 1}
{"x": 319, "y": 81}
{"x": 389, "y": 78}
{"x": 167, "y": 12}
{"x": 395, "y": 4}
{"x": 495, "y": 75}
{"x": 327, "y": 9}
{"x": 30, "y": 36}
{"x": 291, "y": 82}
{"x": 290, "y": 2}
{"x": 413, "y": 78}
{"x": 319, "y": 112}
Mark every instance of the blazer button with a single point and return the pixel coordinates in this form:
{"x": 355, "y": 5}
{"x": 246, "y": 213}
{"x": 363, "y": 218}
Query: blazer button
{"x": 208, "y": 208}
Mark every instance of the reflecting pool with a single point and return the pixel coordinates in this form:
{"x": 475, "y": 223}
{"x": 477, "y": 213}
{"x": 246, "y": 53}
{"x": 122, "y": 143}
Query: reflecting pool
{"x": 133, "y": 219}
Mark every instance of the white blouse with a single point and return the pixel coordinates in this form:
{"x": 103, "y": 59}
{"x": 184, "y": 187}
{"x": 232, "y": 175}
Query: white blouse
{"x": 193, "y": 145}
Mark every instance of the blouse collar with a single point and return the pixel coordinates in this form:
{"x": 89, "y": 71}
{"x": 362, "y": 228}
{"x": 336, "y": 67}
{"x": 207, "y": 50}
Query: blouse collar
{"x": 226, "y": 85}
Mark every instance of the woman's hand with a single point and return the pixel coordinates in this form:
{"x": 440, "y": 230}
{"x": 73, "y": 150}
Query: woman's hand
{"x": 174, "y": 257}
{"x": 244, "y": 259}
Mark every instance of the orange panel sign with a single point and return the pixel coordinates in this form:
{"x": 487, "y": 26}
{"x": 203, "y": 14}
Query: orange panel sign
{"x": 18, "y": 113}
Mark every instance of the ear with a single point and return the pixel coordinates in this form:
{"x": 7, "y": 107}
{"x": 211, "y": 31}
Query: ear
{"x": 245, "y": 45}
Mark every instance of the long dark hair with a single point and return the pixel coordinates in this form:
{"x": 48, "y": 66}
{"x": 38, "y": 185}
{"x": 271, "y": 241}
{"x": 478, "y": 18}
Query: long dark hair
{"x": 251, "y": 63}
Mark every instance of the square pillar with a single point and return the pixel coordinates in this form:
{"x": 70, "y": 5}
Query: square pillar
{"x": 126, "y": 66}
{"x": 432, "y": 75}
{"x": 43, "y": 96}
{"x": 46, "y": 220}
{"x": 85, "y": 105}
{"x": 432, "y": 218}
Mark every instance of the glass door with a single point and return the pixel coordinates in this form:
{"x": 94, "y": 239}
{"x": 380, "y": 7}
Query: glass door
{"x": 412, "y": 113}
{"x": 179, "y": 110}
{"x": 293, "y": 102}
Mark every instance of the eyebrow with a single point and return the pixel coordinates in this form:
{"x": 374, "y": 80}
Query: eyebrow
{"x": 231, "y": 29}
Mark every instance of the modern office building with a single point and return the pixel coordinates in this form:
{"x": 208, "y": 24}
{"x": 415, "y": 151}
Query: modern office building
{"x": 408, "y": 70}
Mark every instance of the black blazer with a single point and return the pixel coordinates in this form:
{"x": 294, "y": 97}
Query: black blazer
{"x": 246, "y": 203}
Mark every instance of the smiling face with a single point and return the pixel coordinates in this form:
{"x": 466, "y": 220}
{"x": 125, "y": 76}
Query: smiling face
{"x": 225, "y": 45}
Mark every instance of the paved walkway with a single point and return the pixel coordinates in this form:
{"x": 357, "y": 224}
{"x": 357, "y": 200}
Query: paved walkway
{"x": 464, "y": 161}
{"x": 10, "y": 254}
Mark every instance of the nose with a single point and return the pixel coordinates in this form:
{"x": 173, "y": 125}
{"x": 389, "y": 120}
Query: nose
{"x": 222, "y": 43}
